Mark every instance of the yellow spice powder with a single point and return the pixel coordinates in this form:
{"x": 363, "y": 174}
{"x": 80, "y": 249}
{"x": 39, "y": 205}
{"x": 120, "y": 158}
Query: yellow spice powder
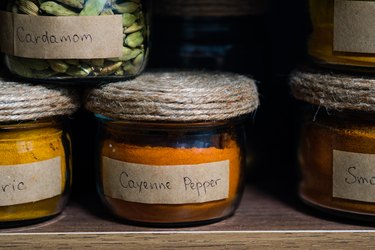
{"x": 25, "y": 146}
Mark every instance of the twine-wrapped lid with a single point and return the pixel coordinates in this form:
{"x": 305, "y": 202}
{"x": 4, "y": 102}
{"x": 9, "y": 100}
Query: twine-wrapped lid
{"x": 25, "y": 101}
{"x": 205, "y": 8}
{"x": 176, "y": 97}
{"x": 334, "y": 91}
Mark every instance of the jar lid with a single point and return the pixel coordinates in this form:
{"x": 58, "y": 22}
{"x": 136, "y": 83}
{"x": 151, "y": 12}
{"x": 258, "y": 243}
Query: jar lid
{"x": 176, "y": 97}
{"x": 26, "y": 101}
{"x": 333, "y": 90}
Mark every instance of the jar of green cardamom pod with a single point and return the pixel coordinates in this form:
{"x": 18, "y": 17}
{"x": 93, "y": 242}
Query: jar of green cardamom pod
{"x": 84, "y": 40}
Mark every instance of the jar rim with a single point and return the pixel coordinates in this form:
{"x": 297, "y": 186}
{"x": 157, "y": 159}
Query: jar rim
{"x": 172, "y": 125}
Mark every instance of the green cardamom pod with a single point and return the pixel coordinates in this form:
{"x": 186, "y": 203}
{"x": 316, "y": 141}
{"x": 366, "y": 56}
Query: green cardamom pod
{"x": 110, "y": 69}
{"x": 27, "y": 7}
{"x": 139, "y": 59}
{"x": 58, "y": 66}
{"x": 92, "y": 8}
{"x": 119, "y": 72}
{"x": 94, "y": 62}
{"x": 129, "y": 68}
{"x": 128, "y": 19}
{"x": 73, "y": 3}
{"x": 56, "y": 9}
{"x": 72, "y": 62}
{"x": 80, "y": 71}
{"x": 134, "y": 40}
{"x": 134, "y": 28}
{"x": 128, "y": 54}
{"x": 126, "y": 7}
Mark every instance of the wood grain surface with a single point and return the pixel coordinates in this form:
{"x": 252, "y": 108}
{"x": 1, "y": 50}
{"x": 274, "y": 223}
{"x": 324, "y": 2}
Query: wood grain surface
{"x": 267, "y": 218}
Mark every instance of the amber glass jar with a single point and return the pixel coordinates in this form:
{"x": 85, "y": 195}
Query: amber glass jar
{"x": 337, "y": 147}
{"x": 86, "y": 41}
{"x": 35, "y": 170}
{"x": 337, "y": 156}
{"x": 171, "y": 173}
{"x": 171, "y": 145}
{"x": 341, "y": 34}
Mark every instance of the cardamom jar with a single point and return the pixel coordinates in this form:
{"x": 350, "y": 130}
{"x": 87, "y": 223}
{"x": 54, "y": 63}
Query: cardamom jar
{"x": 337, "y": 145}
{"x": 65, "y": 40}
{"x": 171, "y": 146}
{"x": 342, "y": 35}
{"x": 35, "y": 150}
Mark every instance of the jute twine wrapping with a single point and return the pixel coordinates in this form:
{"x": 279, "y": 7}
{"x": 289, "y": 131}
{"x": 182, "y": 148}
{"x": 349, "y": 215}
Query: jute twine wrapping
{"x": 22, "y": 101}
{"x": 176, "y": 97}
{"x": 334, "y": 91}
{"x": 210, "y": 7}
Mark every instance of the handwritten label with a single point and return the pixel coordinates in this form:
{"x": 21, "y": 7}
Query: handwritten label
{"x": 353, "y": 26}
{"x": 181, "y": 184}
{"x": 25, "y": 183}
{"x": 354, "y": 176}
{"x": 47, "y": 37}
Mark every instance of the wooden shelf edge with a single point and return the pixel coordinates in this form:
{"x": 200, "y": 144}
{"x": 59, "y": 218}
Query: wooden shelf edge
{"x": 203, "y": 240}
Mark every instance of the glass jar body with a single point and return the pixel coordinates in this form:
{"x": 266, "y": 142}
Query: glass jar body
{"x": 35, "y": 171}
{"x": 181, "y": 175}
{"x": 62, "y": 54}
{"x": 341, "y": 52}
{"x": 336, "y": 155}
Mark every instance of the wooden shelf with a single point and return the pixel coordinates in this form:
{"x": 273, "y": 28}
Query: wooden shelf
{"x": 267, "y": 217}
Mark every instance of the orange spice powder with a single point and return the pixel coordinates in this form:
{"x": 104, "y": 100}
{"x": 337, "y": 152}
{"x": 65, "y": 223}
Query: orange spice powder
{"x": 319, "y": 139}
{"x": 162, "y": 156}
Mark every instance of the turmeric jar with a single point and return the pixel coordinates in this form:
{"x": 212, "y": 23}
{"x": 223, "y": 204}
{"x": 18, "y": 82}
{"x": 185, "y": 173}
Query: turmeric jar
{"x": 171, "y": 146}
{"x": 342, "y": 34}
{"x": 35, "y": 152}
{"x": 337, "y": 145}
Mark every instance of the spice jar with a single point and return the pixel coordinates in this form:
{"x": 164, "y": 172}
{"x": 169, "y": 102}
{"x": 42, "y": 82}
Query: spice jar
{"x": 337, "y": 148}
{"x": 61, "y": 40}
{"x": 171, "y": 146}
{"x": 342, "y": 35}
{"x": 35, "y": 162}
{"x": 210, "y": 34}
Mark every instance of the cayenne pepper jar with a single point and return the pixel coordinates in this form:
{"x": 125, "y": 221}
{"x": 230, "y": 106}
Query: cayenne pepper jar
{"x": 171, "y": 146}
{"x": 35, "y": 150}
{"x": 337, "y": 145}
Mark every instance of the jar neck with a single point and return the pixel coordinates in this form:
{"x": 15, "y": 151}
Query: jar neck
{"x": 321, "y": 113}
{"x": 27, "y": 125}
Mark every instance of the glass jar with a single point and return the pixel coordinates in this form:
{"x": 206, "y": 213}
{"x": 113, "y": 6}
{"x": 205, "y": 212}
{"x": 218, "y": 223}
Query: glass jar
{"x": 208, "y": 35}
{"x": 171, "y": 173}
{"x": 337, "y": 156}
{"x": 342, "y": 36}
{"x": 35, "y": 171}
{"x": 76, "y": 40}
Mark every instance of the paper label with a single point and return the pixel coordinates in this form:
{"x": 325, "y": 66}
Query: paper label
{"x": 354, "y": 23}
{"x": 72, "y": 37}
{"x": 181, "y": 184}
{"x": 354, "y": 176}
{"x": 25, "y": 183}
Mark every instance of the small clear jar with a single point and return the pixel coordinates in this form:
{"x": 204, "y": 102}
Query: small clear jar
{"x": 342, "y": 36}
{"x": 35, "y": 170}
{"x": 88, "y": 41}
{"x": 337, "y": 159}
{"x": 171, "y": 173}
